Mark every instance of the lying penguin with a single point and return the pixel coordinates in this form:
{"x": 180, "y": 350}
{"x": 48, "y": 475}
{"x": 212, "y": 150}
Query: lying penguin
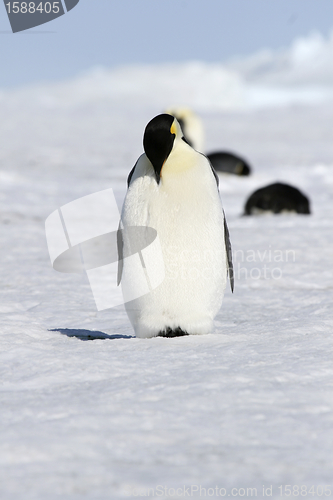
{"x": 277, "y": 198}
{"x": 173, "y": 190}
{"x": 229, "y": 163}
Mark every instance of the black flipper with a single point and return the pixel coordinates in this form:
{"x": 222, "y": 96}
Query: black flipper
{"x": 120, "y": 245}
{"x": 226, "y": 237}
{"x": 229, "y": 254}
{"x": 130, "y": 175}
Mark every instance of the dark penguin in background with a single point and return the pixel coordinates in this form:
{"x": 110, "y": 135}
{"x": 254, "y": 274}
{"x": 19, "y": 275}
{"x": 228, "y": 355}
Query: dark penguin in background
{"x": 229, "y": 163}
{"x": 277, "y": 198}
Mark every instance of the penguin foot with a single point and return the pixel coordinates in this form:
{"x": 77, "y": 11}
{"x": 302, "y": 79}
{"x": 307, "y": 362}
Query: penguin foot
{"x": 169, "y": 332}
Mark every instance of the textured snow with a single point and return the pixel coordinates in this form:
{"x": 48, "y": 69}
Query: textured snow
{"x": 89, "y": 411}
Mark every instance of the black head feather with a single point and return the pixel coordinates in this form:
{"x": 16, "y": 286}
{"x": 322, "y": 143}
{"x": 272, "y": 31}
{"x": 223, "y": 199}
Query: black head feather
{"x": 158, "y": 141}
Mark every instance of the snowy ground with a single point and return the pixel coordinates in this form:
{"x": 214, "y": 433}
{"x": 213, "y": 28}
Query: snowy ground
{"x": 247, "y": 406}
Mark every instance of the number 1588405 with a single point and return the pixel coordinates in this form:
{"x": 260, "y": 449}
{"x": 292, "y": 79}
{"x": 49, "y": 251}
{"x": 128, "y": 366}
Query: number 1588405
{"x": 32, "y": 7}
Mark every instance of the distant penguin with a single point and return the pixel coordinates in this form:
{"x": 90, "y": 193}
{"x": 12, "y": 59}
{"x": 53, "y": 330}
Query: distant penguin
{"x": 229, "y": 163}
{"x": 191, "y": 126}
{"x": 173, "y": 189}
{"x": 277, "y": 198}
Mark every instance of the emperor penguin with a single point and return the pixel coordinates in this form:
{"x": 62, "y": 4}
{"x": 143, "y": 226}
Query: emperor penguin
{"x": 229, "y": 163}
{"x": 173, "y": 190}
{"x": 277, "y": 198}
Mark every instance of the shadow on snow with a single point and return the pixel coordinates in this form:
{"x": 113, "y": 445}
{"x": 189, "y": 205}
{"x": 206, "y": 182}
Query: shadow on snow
{"x": 89, "y": 334}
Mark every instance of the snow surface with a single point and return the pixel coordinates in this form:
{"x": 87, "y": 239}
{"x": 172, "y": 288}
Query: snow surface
{"x": 89, "y": 411}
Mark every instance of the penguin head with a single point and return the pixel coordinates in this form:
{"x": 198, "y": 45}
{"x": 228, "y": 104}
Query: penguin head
{"x": 158, "y": 140}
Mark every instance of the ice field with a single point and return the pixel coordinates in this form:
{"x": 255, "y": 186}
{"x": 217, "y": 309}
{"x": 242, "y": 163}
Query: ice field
{"x": 90, "y": 412}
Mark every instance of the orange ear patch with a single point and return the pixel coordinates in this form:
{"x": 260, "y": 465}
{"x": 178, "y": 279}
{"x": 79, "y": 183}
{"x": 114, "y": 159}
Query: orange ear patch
{"x": 173, "y": 128}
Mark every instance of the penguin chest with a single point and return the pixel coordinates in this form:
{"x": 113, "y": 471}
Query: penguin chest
{"x": 189, "y": 224}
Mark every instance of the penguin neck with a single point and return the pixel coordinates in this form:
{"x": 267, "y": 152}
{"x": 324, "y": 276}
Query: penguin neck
{"x": 179, "y": 162}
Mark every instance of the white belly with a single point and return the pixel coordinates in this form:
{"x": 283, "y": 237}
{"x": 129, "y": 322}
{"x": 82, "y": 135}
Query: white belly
{"x": 189, "y": 222}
